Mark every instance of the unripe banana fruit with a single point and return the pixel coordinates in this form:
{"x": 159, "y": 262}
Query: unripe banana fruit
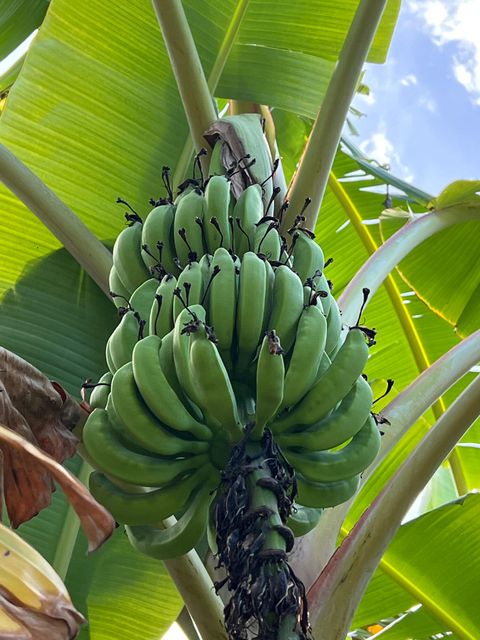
{"x": 227, "y": 339}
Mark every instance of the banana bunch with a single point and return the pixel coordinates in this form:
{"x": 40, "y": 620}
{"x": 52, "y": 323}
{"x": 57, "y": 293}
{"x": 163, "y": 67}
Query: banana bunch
{"x": 226, "y": 331}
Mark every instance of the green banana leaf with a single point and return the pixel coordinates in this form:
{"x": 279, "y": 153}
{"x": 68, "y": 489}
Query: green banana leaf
{"x": 454, "y": 296}
{"x": 425, "y": 564}
{"x": 18, "y": 19}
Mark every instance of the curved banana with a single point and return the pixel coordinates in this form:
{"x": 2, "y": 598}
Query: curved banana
{"x": 325, "y": 494}
{"x": 188, "y": 234}
{"x": 334, "y": 324}
{"x": 160, "y": 321}
{"x": 303, "y": 519}
{"x": 142, "y": 426}
{"x": 328, "y": 466}
{"x": 157, "y": 238}
{"x": 141, "y": 300}
{"x": 216, "y": 167}
{"x": 247, "y": 212}
{"x": 287, "y": 305}
{"x": 332, "y": 386}
{"x": 181, "y": 349}
{"x": 121, "y": 342}
{"x": 222, "y": 302}
{"x": 213, "y": 387}
{"x": 116, "y": 286}
{"x": 178, "y": 539}
{"x": 127, "y": 258}
{"x": 167, "y": 363}
{"x": 250, "y": 308}
{"x": 99, "y": 396}
{"x": 191, "y": 285}
{"x": 307, "y": 256}
{"x": 307, "y": 353}
{"x": 270, "y": 380}
{"x": 156, "y": 392}
{"x": 337, "y": 427}
{"x": 150, "y": 507}
{"x": 266, "y": 240}
{"x": 217, "y": 206}
{"x": 111, "y": 455}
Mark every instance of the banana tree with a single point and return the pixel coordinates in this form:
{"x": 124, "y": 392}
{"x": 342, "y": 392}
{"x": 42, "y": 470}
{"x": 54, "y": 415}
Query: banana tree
{"x": 101, "y": 104}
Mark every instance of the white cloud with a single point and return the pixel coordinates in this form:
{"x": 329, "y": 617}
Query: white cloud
{"x": 409, "y": 80}
{"x": 457, "y": 22}
{"x": 380, "y": 148}
{"x": 428, "y": 103}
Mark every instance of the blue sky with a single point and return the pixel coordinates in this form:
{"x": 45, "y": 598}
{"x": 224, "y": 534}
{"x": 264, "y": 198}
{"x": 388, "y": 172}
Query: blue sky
{"x": 423, "y": 114}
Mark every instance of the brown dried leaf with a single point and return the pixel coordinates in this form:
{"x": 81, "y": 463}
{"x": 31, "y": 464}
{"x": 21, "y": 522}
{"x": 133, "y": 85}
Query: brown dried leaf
{"x": 26, "y": 624}
{"x": 44, "y": 414}
{"x": 48, "y": 410}
{"x": 97, "y": 523}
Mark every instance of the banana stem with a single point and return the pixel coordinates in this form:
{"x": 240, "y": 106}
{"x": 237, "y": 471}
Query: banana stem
{"x": 75, "y": 236}
{"x": 312, "y": 175}
{"x": 218, "y": 66}
{"x": 196, "y": 588}
{"x": 186, "y": 65}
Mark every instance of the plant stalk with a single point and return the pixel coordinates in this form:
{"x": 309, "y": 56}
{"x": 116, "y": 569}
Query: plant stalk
{"x": 186, "y": 65}
{"x": 312, "y": 175}
{"x": 196, "y": 588}
{"x": 68, "y": 535}
{"x": 215, "y": 74}
{"x": 75, "y": 236}
{"x": 362, "y": 549}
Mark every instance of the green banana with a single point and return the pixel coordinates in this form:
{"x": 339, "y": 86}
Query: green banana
{"x": 287, "y": 305}
{"x": 307, "y": 353}
{"x": 167, "y": 363}
{"x": 334, "y": 323}
{"x": 191, "y": 285}
{"x": 270, "y": 381}
{"x": 158, "y": 395}
{"x": 141, "y": 425}
{"x": 127, "y": 258}
{"x": 328, "y": 466}
{"x": 250, "y": 308}
{"x": 266, "y": 240}
{"x": 216, "y": 167}
{"x": 118, "y": 291}
{"x": 188, "y": 234}
{"x": 157, "y": 239}
{"x": 325, "y": 494}
{"x": 178, "y": 539}
{"x": 141, "y": 299}
{"x": 212, "y": 384}
{"x": 307, "y": 256}
{"x": 181, "y": 349}
{"x": 222, "y": 302}
{"x": 109, "y": 454}
{"x": 303, "y": 519}
{"x": 337, "y": 427}
{"x": 150, "y": 507}
{"x": 217, "y": 206}
{"x": 123, "y": 339}
{"x": 332, "y": 386}
{"x": 160, "y": 320}
{"x": 99, "y": 396}
{"x": 247, "y": 212}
